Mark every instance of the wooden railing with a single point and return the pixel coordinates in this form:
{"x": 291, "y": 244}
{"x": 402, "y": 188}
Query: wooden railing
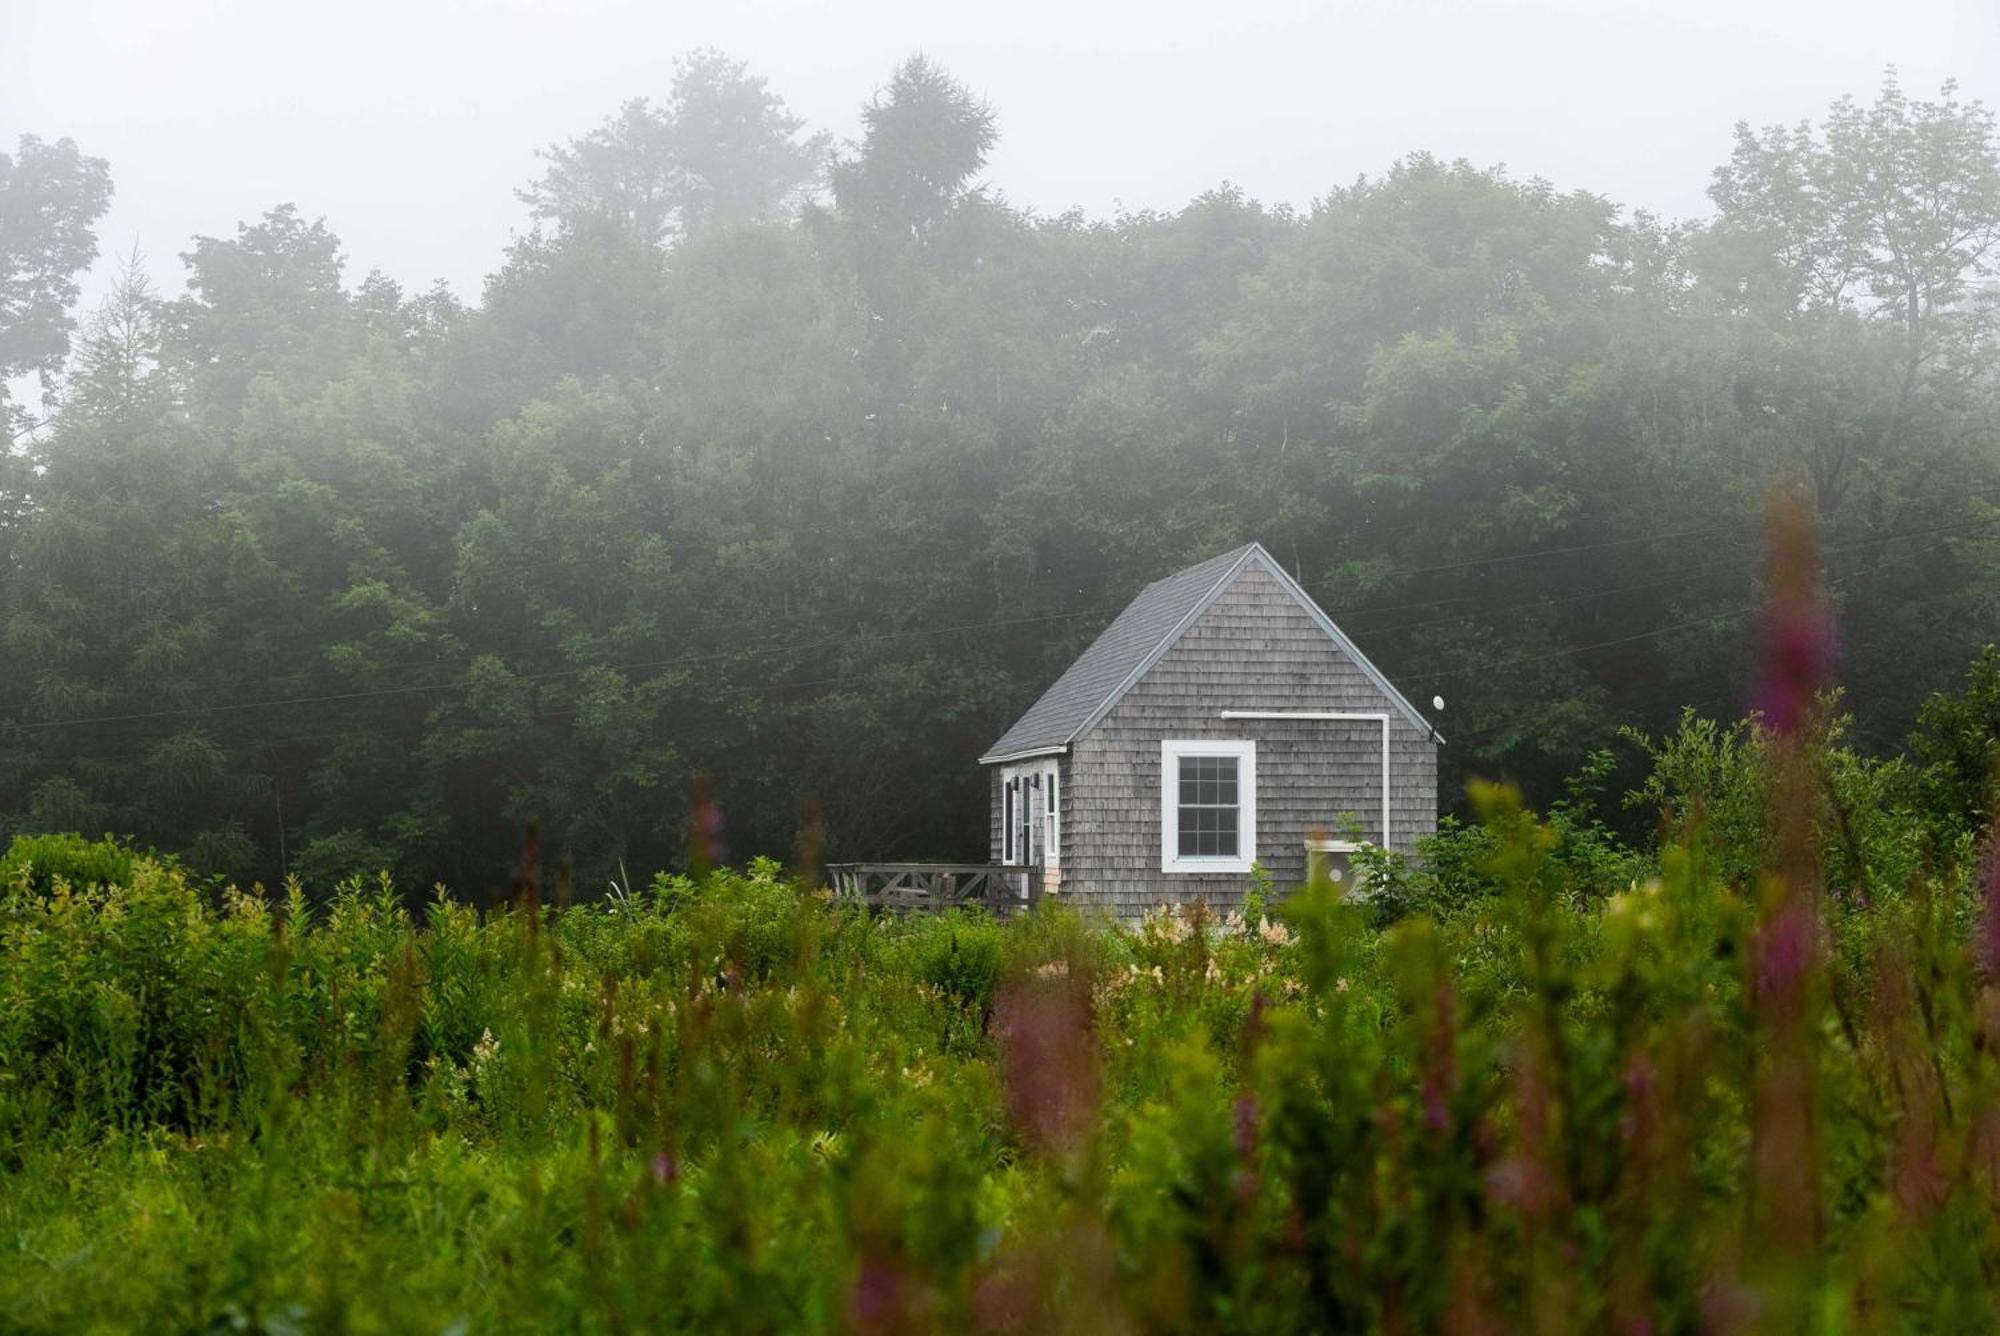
{"x": 916, "y": 886}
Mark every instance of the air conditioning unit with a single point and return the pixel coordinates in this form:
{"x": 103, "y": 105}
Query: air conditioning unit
{"x": 1333, "y": 860}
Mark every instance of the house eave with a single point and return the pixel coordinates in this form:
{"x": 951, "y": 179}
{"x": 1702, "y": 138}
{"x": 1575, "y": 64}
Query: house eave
{"x": 1002, "y": 758}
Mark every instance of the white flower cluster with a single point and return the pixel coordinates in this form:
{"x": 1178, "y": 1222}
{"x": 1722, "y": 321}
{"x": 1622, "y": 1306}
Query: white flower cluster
{"x": 1164, "y": 922}
{"x": 1273, "y": 932}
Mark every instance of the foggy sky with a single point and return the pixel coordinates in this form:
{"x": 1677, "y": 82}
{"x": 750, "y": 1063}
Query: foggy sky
{"x": 408, "y": 124}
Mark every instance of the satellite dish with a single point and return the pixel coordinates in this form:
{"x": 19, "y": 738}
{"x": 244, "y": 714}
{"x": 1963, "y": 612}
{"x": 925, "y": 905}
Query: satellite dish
{"x": 1437, "y": 702}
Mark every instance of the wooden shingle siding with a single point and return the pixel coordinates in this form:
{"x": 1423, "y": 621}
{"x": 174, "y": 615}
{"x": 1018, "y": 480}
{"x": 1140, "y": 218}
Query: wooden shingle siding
{"x": 1253, "y": 648}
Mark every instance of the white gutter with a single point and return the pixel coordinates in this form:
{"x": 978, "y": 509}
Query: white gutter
{"x": 1341, "y": 716}
{"x": 1029, "y": 754}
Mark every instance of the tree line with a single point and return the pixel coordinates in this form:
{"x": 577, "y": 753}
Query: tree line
{"x": 805, "y": 466}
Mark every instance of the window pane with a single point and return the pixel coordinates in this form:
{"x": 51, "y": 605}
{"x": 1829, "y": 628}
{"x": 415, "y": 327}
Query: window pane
{"x": 1209, "y": 810}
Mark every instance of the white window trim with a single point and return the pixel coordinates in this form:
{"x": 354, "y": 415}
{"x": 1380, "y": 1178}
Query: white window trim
{"x": 1171, "y": 752}
{"x": 1052, "y": 851}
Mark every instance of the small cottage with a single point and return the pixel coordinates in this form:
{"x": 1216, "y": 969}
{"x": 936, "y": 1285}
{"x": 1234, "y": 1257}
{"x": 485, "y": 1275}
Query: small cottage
{"x": 1221, "y": 720}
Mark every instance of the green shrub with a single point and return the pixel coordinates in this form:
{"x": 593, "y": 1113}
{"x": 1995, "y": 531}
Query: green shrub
{"x": 1541, "y": 1078}
{"x": 43, "y": 859}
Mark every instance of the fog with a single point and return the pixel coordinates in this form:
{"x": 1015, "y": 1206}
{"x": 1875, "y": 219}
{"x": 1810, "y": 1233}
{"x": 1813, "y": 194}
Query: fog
{"x": 787, "y": 439}
{"x": 408, "y": 124}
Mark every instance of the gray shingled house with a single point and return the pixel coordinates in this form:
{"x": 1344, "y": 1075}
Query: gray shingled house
{"x": 1221, "y": 719}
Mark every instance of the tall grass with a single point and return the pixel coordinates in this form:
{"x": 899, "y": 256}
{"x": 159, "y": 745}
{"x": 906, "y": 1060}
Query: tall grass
{"x": 1581, "y": 1095}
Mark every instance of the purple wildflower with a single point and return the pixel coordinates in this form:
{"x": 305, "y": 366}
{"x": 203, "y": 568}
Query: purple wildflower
{"x": 1441, "y": 1066}
{"x": 881, "y": 1297}
{"x": 1248, "y": 1181}
{"x": 705, "y": 822}
{"x": 1246, "y": 1126}
{"x": 1641, "y": 1101}
{"x": 1786, "y": 949}
{"x": 1798, "y": 652}
{"x": 1048, "y": 1050}
{"x": 1798, "y": 639}
{"x": 1989, "y": 915}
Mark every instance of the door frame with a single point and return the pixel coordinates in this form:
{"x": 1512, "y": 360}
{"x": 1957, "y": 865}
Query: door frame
{"x": 1031, "y": 813}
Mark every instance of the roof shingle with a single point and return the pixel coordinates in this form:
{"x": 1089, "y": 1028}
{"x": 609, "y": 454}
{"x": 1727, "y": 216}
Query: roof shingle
{"x": 1145, "y": 625}
{"x": 1135, "y": 640}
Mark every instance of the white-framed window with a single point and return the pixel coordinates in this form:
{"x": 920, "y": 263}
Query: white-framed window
{"x": 1208, "y": 805}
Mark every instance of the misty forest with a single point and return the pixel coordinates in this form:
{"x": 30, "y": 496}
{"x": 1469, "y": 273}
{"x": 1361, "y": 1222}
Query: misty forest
{"x": 424, "y": 717}
{"x": 805, "y": 468}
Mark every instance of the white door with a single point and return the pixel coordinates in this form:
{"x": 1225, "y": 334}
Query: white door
{"x": 1049, "y": 817}
{"x": 1021, "y": 815}
{"x": 1031, "y": 815}
{"x": 1033, "y": 827}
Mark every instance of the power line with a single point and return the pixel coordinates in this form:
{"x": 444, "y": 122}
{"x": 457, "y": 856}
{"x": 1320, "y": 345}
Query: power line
{"x": 1686, "y": 576}
{"x": 1680, "y": 626}
{"x": 552, "y": 674}
{"x": 767, "y": 690}
{"x": 1575, "y": 548}
{"x": 1851, "y": 545}
{"x": 1566, "y": 651}
{"x": 851, "y": 641}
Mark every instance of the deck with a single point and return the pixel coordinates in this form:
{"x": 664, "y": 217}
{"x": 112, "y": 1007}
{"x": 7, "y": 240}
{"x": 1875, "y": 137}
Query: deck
{"x": 906, "y": 887}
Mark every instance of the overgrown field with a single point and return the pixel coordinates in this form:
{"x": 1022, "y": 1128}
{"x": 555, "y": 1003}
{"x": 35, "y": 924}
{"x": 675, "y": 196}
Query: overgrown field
{"x": 1548, "y": 1082}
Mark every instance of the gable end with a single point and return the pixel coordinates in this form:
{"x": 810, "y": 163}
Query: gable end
{"x": 1256, "y": 553}
{"x": 1141, "y": 635}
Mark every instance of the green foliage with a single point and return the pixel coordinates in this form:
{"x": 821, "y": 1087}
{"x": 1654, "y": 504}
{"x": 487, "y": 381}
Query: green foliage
{"x": 37, "y": 862}
{"x": 1532, "y": 1096}
{"x": 722, "y": 151}
{"x": 1957, "y": 742}
{"x": 51, "y": 197}
{"x": 340, "y": 857}
{"x": 1451, "y": 867}
{"x": 1881, "y": 820}
{"x": 922, "y": 139}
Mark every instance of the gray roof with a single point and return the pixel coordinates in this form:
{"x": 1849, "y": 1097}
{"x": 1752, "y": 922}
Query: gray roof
{"x": 1134, "y": 642}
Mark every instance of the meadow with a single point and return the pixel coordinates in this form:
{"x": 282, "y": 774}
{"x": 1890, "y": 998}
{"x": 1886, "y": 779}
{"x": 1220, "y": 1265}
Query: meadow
{"x": 1741, "y": 1076}
{"x": 797, "y": 476}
